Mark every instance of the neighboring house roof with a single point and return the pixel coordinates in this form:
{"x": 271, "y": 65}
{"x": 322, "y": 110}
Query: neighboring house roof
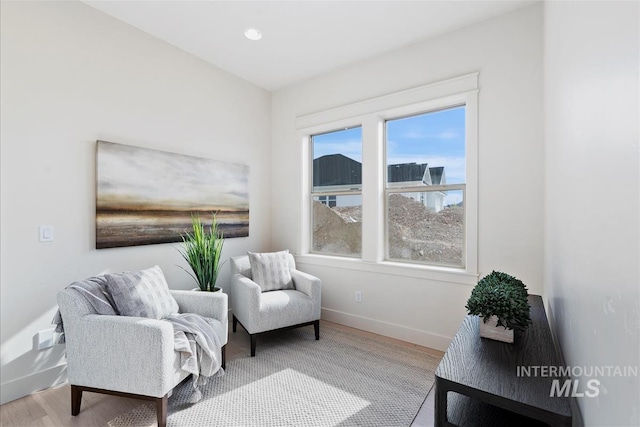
{"x": 414, "y": 172}
{"x": 406, "y": 172}
{"x": 336, "y": 169}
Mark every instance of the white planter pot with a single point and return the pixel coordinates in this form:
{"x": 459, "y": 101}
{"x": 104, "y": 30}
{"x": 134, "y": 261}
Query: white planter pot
{"x": 489, "y": 329}
{"x": 199, "y": 290}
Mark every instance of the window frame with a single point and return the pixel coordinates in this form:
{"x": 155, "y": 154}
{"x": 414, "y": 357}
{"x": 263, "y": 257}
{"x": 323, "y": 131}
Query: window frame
{"x": 388, "y": 190}
{"x": 336, "y": 193}
{"x": 371, "y": 114}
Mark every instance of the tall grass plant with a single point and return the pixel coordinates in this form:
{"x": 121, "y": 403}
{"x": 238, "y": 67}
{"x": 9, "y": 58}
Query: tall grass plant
{"x": 202, "y": 251}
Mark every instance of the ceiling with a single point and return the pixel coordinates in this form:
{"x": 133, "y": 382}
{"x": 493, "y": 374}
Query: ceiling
{"x": 301, "y": 39}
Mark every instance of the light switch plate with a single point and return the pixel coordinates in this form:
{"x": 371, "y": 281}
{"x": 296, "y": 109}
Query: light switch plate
{"x": 46, "y": 233}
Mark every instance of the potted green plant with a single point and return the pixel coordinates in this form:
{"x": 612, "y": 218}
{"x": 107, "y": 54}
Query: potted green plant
{"x": 501, "y": 302}
{"x": 202, "y": 251}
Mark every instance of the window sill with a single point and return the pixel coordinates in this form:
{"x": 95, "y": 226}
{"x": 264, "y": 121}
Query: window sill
{"x": 393, "y": 268}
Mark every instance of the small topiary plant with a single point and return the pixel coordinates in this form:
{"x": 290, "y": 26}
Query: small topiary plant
{"x": 501, "y": 295}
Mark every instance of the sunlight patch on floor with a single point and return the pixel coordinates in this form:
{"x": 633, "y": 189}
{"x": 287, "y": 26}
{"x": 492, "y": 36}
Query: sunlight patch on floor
{"x": 301, "y": 399}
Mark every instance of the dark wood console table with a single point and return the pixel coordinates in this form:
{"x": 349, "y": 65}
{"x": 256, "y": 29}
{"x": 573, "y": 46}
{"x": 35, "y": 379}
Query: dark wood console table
{"x": 477, "y": 381}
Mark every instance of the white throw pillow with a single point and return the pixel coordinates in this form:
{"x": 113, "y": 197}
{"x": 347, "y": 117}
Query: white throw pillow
{"x": 143, "y": 293}
{"x": 271, "y": 270}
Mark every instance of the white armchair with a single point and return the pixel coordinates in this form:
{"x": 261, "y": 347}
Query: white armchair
{"x": 130, "y": 356}
{"x": 259, "y": 312}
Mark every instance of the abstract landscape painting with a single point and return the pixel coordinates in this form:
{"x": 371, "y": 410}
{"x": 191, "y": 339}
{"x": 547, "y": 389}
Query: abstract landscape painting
{"x": 146, "y": 196}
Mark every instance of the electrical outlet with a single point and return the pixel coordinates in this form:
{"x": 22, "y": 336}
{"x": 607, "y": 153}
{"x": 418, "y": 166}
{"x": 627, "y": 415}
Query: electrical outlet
{"x": 44, "y": 339}
{"x": 358, "y": 296}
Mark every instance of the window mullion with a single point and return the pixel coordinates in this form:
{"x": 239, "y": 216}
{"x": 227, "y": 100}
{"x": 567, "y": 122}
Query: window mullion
{"x": 372, "y": 189}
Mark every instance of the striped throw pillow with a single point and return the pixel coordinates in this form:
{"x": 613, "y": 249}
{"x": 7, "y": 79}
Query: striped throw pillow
{"x": 271, "y": 270}
{"x": 143, "y": 293}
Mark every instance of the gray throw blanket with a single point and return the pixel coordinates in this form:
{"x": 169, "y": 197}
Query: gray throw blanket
{"x": 199, "y": 347}
{"x": 94, "y": 291}
{"x": 193, "y": 336}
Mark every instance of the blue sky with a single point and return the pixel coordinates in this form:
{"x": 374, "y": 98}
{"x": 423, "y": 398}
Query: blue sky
{"x": 436, "y": 138}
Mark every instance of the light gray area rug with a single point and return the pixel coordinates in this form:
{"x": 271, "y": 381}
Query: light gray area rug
{"x": 345, "y": 379}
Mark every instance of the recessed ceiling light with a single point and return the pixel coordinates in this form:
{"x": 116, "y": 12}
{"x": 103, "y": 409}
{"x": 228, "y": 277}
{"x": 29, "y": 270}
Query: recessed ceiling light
{"x": 253, "y": 34}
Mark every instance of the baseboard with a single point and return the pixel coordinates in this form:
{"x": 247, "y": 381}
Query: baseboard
{"x": 404, "y": 333}
{"x": 24, "y": 386}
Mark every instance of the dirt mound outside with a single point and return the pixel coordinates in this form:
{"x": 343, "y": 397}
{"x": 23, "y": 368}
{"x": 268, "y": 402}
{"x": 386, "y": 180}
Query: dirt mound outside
{"x": 415, "y": 232}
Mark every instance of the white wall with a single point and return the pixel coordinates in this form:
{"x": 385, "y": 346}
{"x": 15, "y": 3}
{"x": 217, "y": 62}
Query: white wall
{"x": 592, "y": 254}
{"x": 72, "y": 75}
{"x": 507, "y": 52}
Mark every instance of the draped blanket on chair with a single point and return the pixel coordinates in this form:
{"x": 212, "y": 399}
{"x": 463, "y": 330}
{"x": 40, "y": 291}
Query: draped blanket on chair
{"x": 194, "y": 337}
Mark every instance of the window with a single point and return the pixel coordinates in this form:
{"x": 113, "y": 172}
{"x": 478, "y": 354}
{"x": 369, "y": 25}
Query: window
{"x": 425, "y": 185}
{"x": 328, "y": 201}
{"x": 391, "y": 183}
{"x": 337, "y": 192}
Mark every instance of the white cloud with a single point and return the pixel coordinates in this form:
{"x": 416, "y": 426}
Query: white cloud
{"x": 448, "y": 134}
{"x": 445, "y": 134}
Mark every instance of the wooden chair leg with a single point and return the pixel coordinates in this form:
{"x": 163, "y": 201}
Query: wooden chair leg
{"x": 161, "y": 402}
{"x": 254, "y": 338}
{"x": 161, "y": 409}
{"x": 235, "y": 323}
{"x": 76, "y": 399}
{"x": 224, "y": 357}
{"x": 316, "y": 328}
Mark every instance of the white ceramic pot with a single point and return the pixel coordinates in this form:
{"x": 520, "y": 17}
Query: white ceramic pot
{"x": 491, "y": 330}
{"x": 198, "y": 289}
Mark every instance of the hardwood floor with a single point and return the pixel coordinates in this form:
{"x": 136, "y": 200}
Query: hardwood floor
{"x": 52, "y": 407}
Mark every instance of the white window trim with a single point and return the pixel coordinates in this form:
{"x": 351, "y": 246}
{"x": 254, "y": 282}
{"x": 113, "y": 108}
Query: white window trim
{"x": 371, "y": 114}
